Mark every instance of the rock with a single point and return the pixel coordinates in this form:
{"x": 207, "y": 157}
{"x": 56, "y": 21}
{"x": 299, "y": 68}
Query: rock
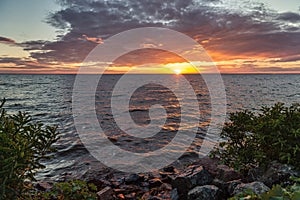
{"x": 174, "y": 194}
{"x": 276, "y": 173}
{"x": 226, "y": 173}
{"x": 210, "y": 164}
{"x": 131, "y": 188}
{"x": 220, "y": 184}
{"x": 170, "y": 169}
{"x": 193, "y": 176}
{"x": 205, "y": 192}
{"x": 155, "y": 182}
{"x": 130, "y": 196}
{"x": 121, "y": 196}
{"x": 146, "y": 196}
{"x": 165, "y": 186}
{"x": 105, "y": 194}
{"x": 256, "y": 187}
{"x": 132, "y": 178}
{"x": 43, "y": 186}
{"x": 231, "y": 185}
{"x": 155, "y": 198}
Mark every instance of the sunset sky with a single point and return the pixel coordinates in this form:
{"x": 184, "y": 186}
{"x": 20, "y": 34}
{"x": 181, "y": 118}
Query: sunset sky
{"x": 261, "y": 36}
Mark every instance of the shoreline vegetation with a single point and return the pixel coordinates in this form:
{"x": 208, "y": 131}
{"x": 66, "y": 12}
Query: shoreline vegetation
{"x": 260, "y": 159}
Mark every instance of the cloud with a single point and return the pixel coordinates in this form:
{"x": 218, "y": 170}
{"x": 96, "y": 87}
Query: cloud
{"x": 225, "y": 30}
{"x": 6, "y": 40}
{"x": 20, "y": 63}
{"x": 289, "y": 16}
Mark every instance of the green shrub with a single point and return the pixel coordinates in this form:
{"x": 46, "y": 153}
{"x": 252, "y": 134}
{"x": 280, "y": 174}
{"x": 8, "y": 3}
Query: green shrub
{"x": 23, "y": 143}
{"x": 257, "y": 139}
{"x": 71, "y": 190}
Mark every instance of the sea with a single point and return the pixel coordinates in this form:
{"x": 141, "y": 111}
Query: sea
{"x": 48, "y": 99}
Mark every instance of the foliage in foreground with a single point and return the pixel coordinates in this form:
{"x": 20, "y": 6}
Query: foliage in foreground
{"x": 71, "y": 190}
{"x": 257, "y": 139}
{"x": 23, "y": 143}
{"x": 277, "y": 193}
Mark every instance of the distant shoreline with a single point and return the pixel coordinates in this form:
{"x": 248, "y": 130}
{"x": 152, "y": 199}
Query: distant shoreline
{"x": 156, "y": 74}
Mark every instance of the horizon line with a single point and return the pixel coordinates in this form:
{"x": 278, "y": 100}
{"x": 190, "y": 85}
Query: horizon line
{"x": 225, "y": 73}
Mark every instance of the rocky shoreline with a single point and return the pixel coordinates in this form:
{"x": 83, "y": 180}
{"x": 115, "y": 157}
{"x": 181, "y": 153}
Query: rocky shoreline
{"x": 201, "y": 180}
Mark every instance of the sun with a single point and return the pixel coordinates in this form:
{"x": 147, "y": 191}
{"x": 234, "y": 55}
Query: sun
{"x": 177, "y": 71}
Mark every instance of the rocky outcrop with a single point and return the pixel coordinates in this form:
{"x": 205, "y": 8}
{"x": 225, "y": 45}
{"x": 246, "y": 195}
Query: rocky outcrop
{"x": 205, "y": 179}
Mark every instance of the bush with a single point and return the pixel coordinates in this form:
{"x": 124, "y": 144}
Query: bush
{"x": 71, "y": 190}
{"x": 257, "y": 139}
{"x": 23, "y": 143}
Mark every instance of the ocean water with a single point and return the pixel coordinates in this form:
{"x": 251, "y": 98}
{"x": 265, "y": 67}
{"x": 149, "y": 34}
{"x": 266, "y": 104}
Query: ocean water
{"x": 48, "y": 98}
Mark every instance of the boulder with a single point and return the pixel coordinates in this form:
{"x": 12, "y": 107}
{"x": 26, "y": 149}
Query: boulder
{"x": 205, "y": 192}
{"x": 231, "y": 185}
{"x": 132, "y": 178}
{"x": 191, "y": 177}
{"x": 256, "y": 187}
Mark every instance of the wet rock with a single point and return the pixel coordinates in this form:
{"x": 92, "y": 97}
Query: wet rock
{"x": 256, "y": 187}
{"x": 105, "y": 194}
{"x": 43, "y": 186}
{"x": 205, "y": 192}
{"x": 193, "y": 176}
